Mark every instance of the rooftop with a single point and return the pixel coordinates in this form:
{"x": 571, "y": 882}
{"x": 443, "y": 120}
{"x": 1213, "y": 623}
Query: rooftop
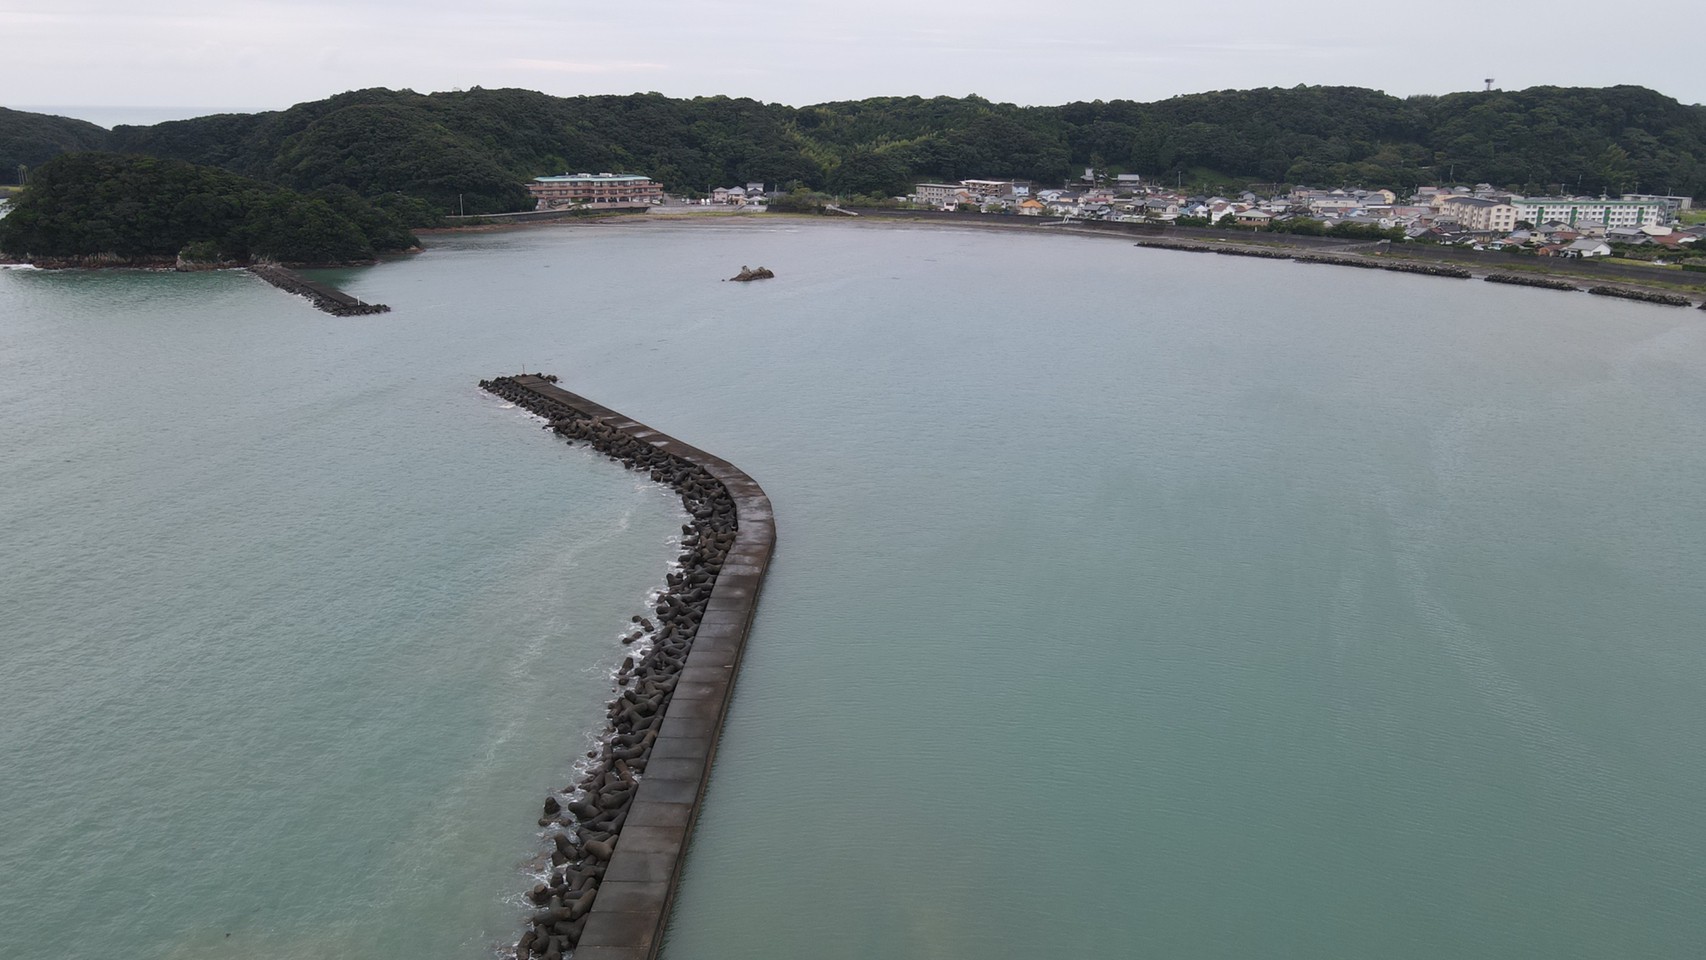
{"x": 594, "y": 178}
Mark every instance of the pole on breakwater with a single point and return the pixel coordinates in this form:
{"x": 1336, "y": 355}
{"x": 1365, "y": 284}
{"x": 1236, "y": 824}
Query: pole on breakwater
{"x": 632, "y": 884}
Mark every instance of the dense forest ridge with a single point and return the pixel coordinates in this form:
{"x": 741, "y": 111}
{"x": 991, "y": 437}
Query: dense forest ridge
{"x": 425, "y": 155}
{"x": 99, "y": 209}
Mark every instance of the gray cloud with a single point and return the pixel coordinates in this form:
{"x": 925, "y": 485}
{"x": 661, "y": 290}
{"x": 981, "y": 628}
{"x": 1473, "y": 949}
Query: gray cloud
{"x": 269, "y": 53}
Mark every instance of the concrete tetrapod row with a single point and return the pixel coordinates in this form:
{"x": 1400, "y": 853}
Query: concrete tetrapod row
{"x": 590, "y": 853}
{"x": 1666, "y": 299}
{"x": 1424, "y": 269}
{"x": 1521, "y": 281}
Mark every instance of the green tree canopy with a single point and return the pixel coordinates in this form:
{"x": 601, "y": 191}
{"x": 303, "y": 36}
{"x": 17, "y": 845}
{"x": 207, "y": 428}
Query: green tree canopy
{"x": 143, "y": 208}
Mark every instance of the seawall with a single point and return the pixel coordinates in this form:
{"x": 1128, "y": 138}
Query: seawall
{"x": 332, "y": 301}
{"x": 1181, "y": 238}
{"x": 619, "y": 835}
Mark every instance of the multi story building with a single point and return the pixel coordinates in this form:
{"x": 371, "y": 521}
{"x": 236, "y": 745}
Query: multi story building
{"x": 596, "y": 189}
{"x": 993, "y": 189}
{"x": 1607, "y": 213}
{"x": 1673, "y": 205}
{"x": 938, "y": 194}
{"x": 1479, "y": 215}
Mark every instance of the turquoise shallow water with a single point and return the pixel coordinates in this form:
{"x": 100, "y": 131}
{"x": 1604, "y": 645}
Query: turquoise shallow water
{"x": 1126, "y": 602}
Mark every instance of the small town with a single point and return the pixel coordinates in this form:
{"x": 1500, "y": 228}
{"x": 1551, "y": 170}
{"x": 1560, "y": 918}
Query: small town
{"x": 1481, "y": 216}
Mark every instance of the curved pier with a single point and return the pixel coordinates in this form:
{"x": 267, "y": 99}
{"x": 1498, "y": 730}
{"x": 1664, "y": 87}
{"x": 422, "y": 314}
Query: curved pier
{"x": 620, "y": 833}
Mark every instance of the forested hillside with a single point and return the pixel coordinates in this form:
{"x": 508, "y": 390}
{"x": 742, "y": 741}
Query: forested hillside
{"x": 418, "y": 153}
{"x": 141, "y": 209}
{"x": 28, "y": 139}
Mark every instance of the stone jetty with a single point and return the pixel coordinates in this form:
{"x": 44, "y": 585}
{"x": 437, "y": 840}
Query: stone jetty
{"x": 1666, "y": 299}
{"x": 617, "y": 835}
{"x": 1337, "y": 261}
{"x": 332, "y": 301}
{"x": 1175, "y": 245}
{"x": 1522, "y": 281}
{"x": 1410, "y": 266}
{"x": 1427, "y": 270}
{"x": 1254, "y": 252}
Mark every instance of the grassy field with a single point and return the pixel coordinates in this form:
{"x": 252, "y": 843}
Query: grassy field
{"x": 1691, "y": 217}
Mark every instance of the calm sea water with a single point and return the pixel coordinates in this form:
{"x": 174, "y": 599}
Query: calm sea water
{"x": 1126, "y": 603}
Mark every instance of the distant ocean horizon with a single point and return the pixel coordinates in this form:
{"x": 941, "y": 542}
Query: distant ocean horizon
{"x": 114, "y": 116}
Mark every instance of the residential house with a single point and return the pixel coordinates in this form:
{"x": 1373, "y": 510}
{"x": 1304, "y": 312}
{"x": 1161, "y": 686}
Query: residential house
{"x": 1586, "y": 247}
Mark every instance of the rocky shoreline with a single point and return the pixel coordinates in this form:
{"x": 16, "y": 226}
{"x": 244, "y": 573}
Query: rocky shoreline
{"x": 324, "y": 298}
{"x": 585, "y": 819}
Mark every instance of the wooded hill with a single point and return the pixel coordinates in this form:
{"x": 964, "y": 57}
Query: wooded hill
{"x": 482, "y": 145}
{"x": 143, "y": 209}
{"x": 30, "y": 139}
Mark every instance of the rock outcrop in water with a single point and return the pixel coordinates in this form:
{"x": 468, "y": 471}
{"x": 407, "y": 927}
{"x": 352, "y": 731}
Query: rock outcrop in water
{"x": 747, "y": 274}
{"x": 584, "y": 820}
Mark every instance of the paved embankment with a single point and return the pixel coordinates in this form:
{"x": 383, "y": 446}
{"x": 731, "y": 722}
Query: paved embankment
{"x": 620, "y": 833}
{"x": 331, "y": 300}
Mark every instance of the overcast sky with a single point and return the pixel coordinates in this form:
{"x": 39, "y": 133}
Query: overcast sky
{"x": 268, "y": 54}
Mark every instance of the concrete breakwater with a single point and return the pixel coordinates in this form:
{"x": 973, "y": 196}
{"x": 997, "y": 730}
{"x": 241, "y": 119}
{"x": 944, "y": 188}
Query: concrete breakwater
{"x": 618, "y": 834}
{"x": 1667, "y": 299}
{"x": 332, "y": 301}
{"x": 1337, "y": 261}
{"x": 1424, "y": 269}
{"x": 1254, "y": 252}
{"x": 1522, "y": 281}
{"x": 1396, "y": 266}
{"x": 1428, "y": 270}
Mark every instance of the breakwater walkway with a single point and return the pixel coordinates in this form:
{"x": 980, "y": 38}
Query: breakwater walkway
{"x": 331, "y": 300}
{"x": 619, "y": 834}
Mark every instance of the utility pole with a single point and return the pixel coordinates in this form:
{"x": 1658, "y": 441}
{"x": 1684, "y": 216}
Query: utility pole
{"x": 461, "y": 211}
